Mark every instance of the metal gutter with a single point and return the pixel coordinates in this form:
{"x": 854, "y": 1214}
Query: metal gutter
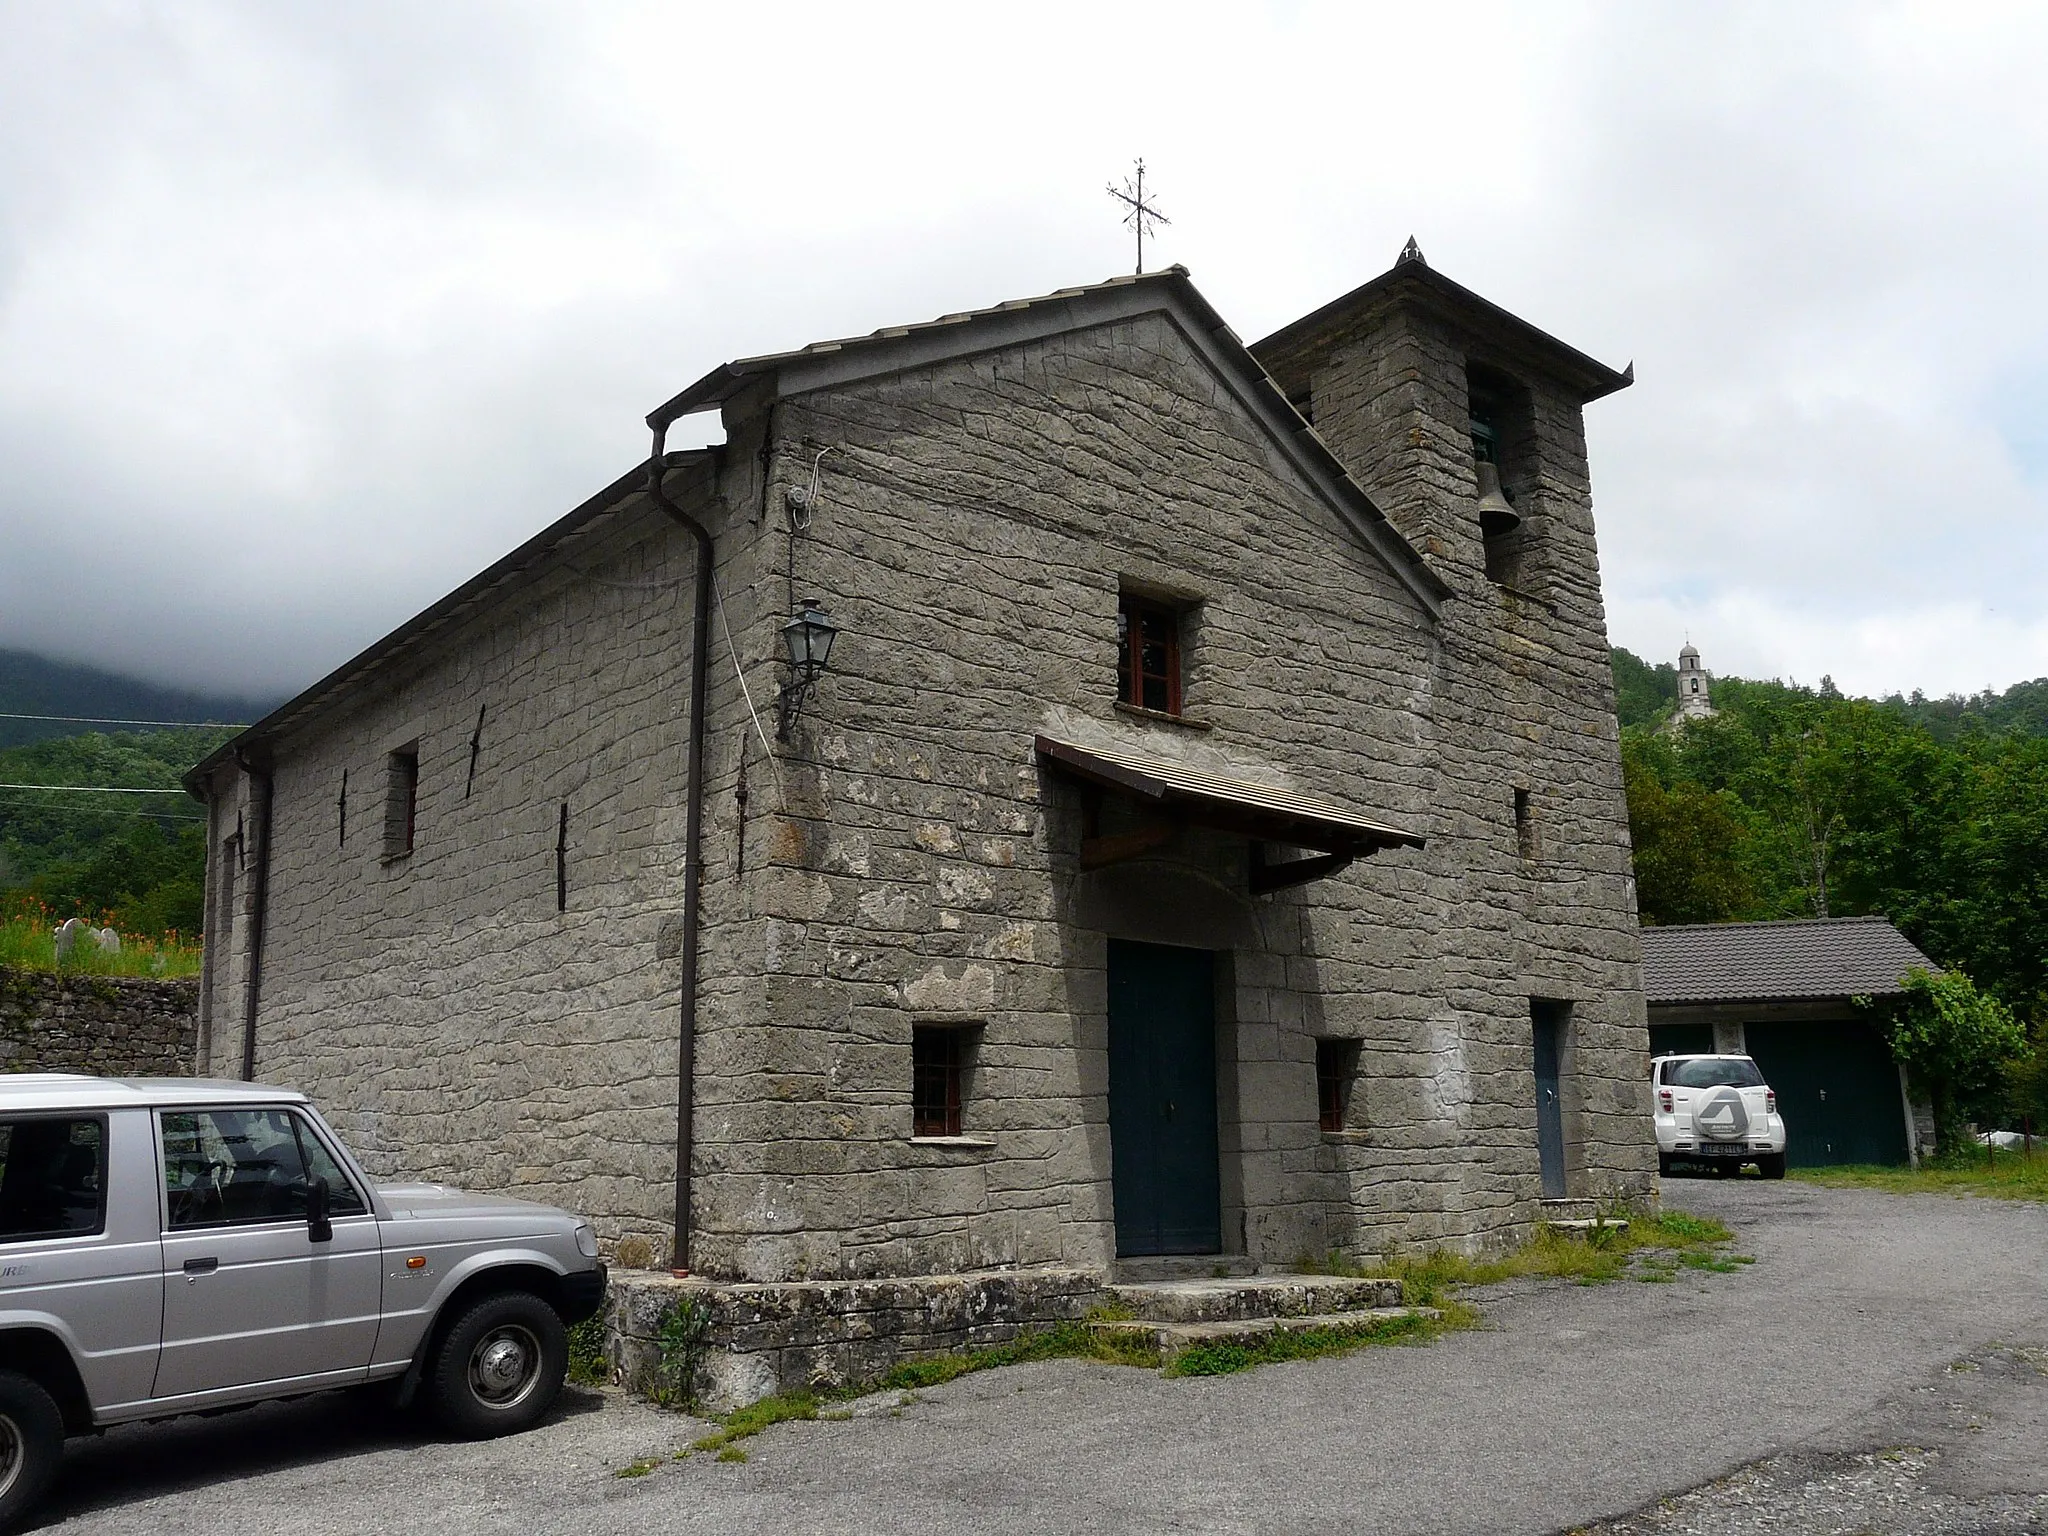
{"x": 693, "y": 843}
{"x": 259, "y": 906}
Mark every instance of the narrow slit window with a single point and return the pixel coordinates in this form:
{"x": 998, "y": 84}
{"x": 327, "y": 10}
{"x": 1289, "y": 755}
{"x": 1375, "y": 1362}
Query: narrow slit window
{"x": 936, "y": 1068}
{"x": 1525, "y": 825}
{"x": 562, "y": 859}
{"x": 401, "y": 812}
{"x": 1148, "y": 656}
{"x": 1336, "y": 1071}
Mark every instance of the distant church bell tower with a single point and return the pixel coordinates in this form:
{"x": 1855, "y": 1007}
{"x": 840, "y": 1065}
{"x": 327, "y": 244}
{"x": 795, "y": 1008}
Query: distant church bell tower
{"x": 1695, "y": 686}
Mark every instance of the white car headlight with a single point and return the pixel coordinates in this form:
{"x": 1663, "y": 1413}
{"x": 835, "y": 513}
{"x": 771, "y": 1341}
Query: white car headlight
{"x": 586, "y": 1240}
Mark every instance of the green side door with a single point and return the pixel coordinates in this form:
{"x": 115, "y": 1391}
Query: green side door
{"x": 1162, "y": 1099}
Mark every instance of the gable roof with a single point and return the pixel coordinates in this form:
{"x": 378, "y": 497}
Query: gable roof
{"x": 825, "y": 364}
{"x": 897, "y": 348}
{"x": 1413, "y": 278}
{"x": 366, "y": 665}
{"x": 1777, "y": 962}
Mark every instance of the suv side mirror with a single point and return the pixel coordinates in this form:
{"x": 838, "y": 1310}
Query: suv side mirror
{"x": 319, "y": 1229}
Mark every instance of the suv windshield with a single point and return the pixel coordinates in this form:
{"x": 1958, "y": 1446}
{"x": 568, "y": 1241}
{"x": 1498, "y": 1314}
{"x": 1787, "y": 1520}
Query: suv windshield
{"x": 1714, "y": 1072}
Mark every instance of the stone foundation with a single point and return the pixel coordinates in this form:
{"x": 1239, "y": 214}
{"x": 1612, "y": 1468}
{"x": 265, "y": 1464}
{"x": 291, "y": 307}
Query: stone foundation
{"x": 110, "y": 1026}
{"x": 827, "y": 1334}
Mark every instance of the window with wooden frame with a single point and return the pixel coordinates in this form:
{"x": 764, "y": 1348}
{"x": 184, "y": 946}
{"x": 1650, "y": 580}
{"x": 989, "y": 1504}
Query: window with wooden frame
{"x": 1336, "y": 1071}
{"x": 1148, "y": 655}
{"x": 938, "y": 1068}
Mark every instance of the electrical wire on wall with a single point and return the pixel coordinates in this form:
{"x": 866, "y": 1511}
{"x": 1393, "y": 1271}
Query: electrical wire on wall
{"x": 739, "y": 673}
{"x": 801, "y": 503}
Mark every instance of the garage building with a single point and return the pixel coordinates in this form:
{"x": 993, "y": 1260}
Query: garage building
{"x": 1782, "y": 993}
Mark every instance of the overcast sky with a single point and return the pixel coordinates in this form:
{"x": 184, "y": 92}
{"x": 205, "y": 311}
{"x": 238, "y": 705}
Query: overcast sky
{"x": 307, "y": 313}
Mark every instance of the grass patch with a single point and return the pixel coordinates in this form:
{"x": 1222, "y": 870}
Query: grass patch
{"x": 1649, "y": 1248}
{"x": 1969, "y": 1171}
{"x": 28, "y": 942}
{"x": 1062, "y": 1341}
{"x": 1221, "y": 1359}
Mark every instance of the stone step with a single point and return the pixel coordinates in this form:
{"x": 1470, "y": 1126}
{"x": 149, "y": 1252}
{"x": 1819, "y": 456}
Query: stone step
{"x": 1171, "y": 1340}
{"x": 1567, "y": 1208}
{"x": 1584, "y": 1224}
{"x": 1185, "y": 1266}
{"x": 1253, "y": 1297}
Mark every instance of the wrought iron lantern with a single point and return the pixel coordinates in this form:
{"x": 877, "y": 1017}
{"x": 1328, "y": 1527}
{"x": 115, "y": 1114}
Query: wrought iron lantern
{"x": 808, "y": 636}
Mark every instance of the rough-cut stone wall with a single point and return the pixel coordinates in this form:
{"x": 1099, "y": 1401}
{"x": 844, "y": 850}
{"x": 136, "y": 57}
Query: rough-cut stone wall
{"x": 450, "y": 1019}
{"x": 978, "y": 520}
{"x": 110, "y": 1026}
{"x": 1526, "y": 703}
{"x": 825, "y": 1335}
{"x": 903, "y": 857}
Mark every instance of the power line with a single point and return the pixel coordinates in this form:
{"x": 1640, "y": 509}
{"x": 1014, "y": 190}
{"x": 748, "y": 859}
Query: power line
{"x": 93, "y": 789}
{"x": 95, "y": 810}
{"x": 222, "y": 725}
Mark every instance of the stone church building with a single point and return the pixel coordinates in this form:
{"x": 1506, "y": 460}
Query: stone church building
{"x": 1203, "y": 835}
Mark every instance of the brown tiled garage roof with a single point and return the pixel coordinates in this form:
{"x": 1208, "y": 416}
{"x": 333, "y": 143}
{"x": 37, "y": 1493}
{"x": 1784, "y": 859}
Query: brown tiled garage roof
{"x": 1770, "y": 962}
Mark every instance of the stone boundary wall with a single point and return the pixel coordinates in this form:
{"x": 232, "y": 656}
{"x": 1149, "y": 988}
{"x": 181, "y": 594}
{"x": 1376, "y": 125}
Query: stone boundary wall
{"x": 111, "y": 1026}
{"x": 766, "y": 1339}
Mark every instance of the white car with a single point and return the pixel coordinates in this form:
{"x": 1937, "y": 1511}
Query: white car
{"x": 1716, "y": 1111}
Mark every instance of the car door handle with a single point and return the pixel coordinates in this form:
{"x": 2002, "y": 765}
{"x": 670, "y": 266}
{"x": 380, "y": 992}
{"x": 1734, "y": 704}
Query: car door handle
{"x": 194, "y": 1268}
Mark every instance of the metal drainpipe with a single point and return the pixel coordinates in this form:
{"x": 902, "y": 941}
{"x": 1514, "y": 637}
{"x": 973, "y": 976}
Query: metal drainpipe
{"x": 259, "y": 902}
{"x": 693, "y": 843}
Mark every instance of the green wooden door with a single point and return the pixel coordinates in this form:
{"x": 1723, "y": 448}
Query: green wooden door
{"x": 1838, "y": 1089}
{"x": 1162, "y": 1099}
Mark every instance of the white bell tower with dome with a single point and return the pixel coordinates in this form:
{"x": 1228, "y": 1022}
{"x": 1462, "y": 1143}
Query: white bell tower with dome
{"x": 1695, "y": 686}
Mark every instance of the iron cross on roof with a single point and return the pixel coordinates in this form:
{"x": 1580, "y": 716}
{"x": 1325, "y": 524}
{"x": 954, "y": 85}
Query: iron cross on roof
{"x": 1132, "y": 195}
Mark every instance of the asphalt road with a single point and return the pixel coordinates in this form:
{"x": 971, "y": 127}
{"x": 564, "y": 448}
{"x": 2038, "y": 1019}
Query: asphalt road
{"x": 1882, "y": 1367}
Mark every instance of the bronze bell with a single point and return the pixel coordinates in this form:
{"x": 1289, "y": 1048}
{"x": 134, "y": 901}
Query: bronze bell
{"x": 1496, "y": 514}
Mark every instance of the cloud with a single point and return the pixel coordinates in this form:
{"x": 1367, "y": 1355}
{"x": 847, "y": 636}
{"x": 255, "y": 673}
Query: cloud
{"x": 307, "y": 315}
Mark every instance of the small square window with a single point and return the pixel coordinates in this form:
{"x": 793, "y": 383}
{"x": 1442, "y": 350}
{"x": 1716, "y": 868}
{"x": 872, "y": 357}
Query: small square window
{"x": 1148, "y": 655}
{"x": 1336, "y": 1071}
{"x": 401, "y": 805}
{"x": 937, "y": 1067}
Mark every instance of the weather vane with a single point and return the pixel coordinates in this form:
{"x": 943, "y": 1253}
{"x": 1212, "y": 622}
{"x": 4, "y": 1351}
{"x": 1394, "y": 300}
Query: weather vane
{"x": 1132, "y": 195}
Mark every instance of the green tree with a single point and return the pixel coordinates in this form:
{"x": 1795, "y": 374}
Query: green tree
{"x": 1958, "y": 1043}
{"x": 1689, "y": 842}
{"x": 1643, "y": 694}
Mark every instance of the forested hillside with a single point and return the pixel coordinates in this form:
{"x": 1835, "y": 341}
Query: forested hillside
{"x": 1800, "y": 802}
{"x": 35, "y": 685}
{"x": 141, "y": 858}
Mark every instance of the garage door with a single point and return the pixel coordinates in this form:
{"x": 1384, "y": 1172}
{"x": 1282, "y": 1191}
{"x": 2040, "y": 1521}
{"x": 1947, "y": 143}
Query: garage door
{"x": 1838, "y": 1090}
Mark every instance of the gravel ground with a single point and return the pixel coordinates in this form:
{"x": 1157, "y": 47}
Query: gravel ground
{"x": 1878, "y": 1369}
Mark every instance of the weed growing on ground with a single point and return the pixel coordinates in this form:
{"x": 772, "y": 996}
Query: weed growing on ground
{"x": 2006, "y": 1175}
{"x": 1221, "y": 1359}
{"x": 1604, "y": 1253}
{"x": 682, "y": 1340}
{"x": 587, "y": 1364}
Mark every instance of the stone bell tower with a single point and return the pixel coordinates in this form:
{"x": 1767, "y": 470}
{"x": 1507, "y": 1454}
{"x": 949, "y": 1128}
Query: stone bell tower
{"x": 1695, "y": 686}
{"x": 1465, "y": 425}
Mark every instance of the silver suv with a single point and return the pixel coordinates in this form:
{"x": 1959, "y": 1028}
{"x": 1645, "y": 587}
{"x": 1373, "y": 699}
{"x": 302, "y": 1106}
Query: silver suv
{"x": 168, "y": 1246}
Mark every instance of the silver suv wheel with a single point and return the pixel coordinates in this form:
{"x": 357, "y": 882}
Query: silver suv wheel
{"x": 499, "y": 1366}
{"x": 505, "y": 1366}
{"x": 11, "y": 1454}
